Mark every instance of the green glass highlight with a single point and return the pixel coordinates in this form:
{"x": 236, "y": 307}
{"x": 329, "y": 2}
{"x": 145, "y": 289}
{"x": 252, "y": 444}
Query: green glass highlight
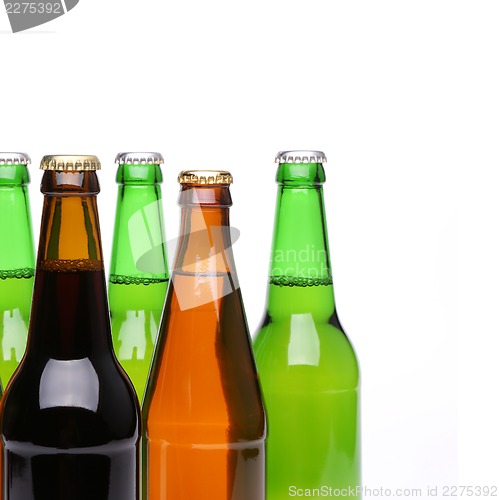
{"x": 17, "y": 263}
{"x": 139, "y": 269}
{"x": 307, "y": 365}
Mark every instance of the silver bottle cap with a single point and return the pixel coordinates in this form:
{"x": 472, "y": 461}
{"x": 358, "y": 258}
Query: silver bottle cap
{"x": 139, "y": 159}
{"x": 14, "y": 159}
{"x": 300, "y": 156}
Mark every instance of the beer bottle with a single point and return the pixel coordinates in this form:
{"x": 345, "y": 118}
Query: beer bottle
{"x": 69, "y": 420}
{"x": 139, "y": 269}
{"x": 203, "y": 414}
{"x": 17, "y": 261}
{"x": 307, "y": 366}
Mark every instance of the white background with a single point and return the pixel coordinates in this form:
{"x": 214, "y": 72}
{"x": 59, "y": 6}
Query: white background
{"x": 402, "y": 96}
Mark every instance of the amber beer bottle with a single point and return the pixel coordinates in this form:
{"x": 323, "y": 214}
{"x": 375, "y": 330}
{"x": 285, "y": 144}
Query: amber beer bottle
{"x": 203, "y": 413}
{"x": 70, "y": 422}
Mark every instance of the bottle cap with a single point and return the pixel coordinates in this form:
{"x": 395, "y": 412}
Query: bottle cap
{"x": 139, "y": 159}
{"x": 300, "y": 156}
{"x": 70, "y": 163}
{"x": 14, "y": 159}
{"x": 205, "y": 177}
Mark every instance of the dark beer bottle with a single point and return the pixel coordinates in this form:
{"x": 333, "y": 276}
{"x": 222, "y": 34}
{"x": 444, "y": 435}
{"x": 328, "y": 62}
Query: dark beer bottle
{"x": 203, "y": 413}
{"x": 70, "y": 421}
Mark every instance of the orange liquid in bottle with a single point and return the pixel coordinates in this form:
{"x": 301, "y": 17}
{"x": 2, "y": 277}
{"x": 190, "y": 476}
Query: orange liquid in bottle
{"x": 203, "y": 412}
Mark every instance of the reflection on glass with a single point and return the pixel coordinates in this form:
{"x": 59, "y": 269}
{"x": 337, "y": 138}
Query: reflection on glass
{"x": 304, "y": 345}
{"x": 72, "y": 383}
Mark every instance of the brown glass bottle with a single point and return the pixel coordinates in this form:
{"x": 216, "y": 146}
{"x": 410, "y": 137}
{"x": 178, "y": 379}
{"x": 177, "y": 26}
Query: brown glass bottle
{"x": 70, "y": 420}
{"x": 203, "y": 413}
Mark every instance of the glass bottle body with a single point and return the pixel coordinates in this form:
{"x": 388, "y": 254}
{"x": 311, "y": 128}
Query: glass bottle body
{"x": 139, "y": 270}
{"x": 69, "y": 419}
{"x": 203, "y": 412}
{"x": 17, "y": 263}
{"x": 307, "y": 366}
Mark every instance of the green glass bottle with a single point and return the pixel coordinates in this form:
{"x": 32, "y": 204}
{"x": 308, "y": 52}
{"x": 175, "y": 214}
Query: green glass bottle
{"x": 17, "y": 261}
{"x": 139, "y": 269}
{"x": 307, "y": 366}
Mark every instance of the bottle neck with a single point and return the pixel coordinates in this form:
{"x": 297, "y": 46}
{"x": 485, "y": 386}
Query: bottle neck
{"x": 300, "y": 263}
{"x": 139, "y": 246}
{"x": 69, "y": 318}
{"x": 204, "y": 249}
{"x": 17, "y": 259}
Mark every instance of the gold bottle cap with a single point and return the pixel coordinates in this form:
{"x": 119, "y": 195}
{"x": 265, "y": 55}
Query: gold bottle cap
{"x": 139, "y": 159}
{"x": 14, "y": 159}
{"x": 300, "y": 156}
{"x": 70, "y": 163}
{"x": 205, "y": 177}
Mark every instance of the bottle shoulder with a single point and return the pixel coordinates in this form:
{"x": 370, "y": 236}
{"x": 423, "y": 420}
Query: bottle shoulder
{"x": 300, "y": 349}
{"x": 203, "y": 382}
{"x": 69, "y": 403}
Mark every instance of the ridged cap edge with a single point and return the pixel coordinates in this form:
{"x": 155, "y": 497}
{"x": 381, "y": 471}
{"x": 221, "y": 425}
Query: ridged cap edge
{"x": 70, "y": 163}
{"x": 14, "y": 159}
{"x": 300, "y": 156}
{"x": 139, "y": 159}
{"x": 205, "y": 177}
